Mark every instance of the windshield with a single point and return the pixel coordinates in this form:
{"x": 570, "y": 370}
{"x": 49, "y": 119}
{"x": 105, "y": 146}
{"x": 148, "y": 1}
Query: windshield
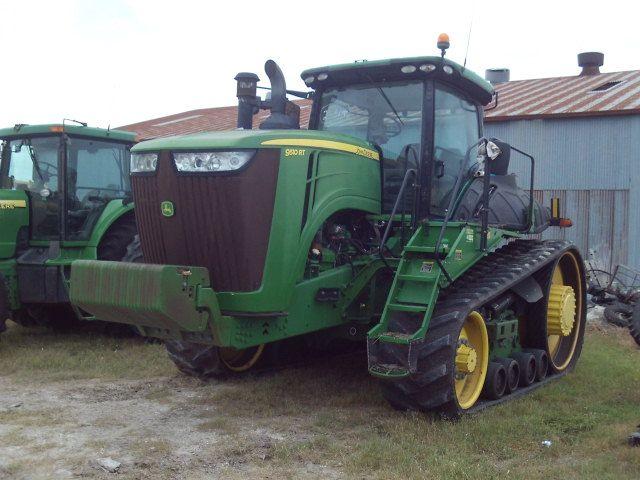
{"x": 388, "y": 115}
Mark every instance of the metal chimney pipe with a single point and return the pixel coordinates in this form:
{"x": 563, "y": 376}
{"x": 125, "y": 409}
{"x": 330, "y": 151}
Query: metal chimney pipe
{"x": 590, "y": 62}
{"x": 497, "y": 75}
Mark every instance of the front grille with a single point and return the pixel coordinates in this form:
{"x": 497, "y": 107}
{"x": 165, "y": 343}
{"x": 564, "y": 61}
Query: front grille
{"x": 221, "y": 222}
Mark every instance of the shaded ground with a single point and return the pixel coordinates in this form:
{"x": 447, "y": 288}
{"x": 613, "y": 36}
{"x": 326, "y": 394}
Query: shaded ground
{"x": 66, "y": 401}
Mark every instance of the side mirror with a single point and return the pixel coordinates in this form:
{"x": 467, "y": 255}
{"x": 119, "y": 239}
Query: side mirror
{"x": 500, "y": 153}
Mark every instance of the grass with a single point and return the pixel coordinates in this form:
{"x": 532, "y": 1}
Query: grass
{"x": 40, "y": 354}
{"x": 334, "y": 416}
{"x": 331, "y": 416}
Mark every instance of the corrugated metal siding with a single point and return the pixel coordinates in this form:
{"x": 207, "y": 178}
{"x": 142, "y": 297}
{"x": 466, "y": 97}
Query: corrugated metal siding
{"x": 593, "y": 166}
{"x": 600, "y": 223}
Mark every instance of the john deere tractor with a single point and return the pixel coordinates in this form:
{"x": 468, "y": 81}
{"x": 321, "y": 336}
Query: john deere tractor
{"x": 63, "y": 196}
{"x": 390, "y": 221}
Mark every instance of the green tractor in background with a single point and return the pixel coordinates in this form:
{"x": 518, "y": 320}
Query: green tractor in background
{"x": 391, "y": 221}
{"x": 65, "y": 194}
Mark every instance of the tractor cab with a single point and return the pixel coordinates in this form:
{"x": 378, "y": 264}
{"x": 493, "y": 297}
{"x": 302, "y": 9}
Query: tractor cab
{"x": 424, "y": 116}
{"x": 63, "y": 196}
{"x": 421, "y": 113}
{"x": 66, "y": 174}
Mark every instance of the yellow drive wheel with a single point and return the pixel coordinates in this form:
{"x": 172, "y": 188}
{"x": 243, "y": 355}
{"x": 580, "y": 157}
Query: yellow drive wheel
{"x": 564, "y": 311}
{"x": 240, "y": 360}
{"x": 471, "y": 360}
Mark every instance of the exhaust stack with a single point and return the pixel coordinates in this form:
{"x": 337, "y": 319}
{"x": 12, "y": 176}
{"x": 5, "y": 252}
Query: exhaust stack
{"x": 278, "y": 104}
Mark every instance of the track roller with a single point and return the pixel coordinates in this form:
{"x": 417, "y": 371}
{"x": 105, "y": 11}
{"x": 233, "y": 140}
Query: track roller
{"x": 542, "y": 363}
{"x": 527, "y": 363}
{"x": 496, "y": 382}
{"x": 512, "y": 370}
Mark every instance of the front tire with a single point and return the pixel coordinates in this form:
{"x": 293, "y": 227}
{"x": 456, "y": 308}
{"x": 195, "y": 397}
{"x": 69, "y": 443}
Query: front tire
{"x": 209, "y": 361}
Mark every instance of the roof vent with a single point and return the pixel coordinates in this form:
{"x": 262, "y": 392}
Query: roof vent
{"x": 497, "y": 75}
{"x": 590, "y": 62}
{"x": 606, "y": 86}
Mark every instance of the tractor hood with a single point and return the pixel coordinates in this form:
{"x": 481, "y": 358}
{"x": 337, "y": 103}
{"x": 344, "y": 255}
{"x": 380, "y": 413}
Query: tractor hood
{"x": 14, "y": 214}
{"x": 258, "y": 139}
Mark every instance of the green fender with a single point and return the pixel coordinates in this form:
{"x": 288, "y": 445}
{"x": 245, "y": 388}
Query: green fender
{"x": 112, "y": 212}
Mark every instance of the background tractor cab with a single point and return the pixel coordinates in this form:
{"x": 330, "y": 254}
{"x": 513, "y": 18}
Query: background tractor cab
{"x": 61, "y": 198}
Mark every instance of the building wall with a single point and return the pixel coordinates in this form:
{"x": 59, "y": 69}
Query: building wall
{"x": 593, "y": 165}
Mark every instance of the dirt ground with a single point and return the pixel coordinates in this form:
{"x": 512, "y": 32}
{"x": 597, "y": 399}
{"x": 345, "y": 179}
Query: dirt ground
{"x": 327, "y": 420}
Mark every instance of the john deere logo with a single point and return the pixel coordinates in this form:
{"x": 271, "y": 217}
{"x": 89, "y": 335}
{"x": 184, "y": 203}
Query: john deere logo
{"x": 167, "y": 208}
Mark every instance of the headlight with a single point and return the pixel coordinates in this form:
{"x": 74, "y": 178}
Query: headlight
{"x": 211, "y": 161}
{"x": 144, "y": 162}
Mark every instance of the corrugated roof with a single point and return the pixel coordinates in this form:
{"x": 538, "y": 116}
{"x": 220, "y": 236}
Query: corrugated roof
{"x": 615, "y": 93}
{"x": 591, "y": 95}
{"x": 204, "y": 120}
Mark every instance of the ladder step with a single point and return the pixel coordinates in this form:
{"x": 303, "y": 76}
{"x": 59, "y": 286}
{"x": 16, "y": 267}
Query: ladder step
{"x": 405, "y": 307}
{"x": 416, "y": 278}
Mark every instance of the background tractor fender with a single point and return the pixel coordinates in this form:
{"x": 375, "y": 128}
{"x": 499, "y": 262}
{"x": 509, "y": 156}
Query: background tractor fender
{"x": 346, "y": 203}
{"x": 112, "y": 212}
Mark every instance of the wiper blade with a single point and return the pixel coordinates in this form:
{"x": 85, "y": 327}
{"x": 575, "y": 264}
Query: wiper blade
{"x": 386, "y": 99}
{"x": 34, "y": 160}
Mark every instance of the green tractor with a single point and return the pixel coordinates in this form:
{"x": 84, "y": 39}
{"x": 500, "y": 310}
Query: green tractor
{"x": 64, "y": 194}
{"x": 391, "y": 221}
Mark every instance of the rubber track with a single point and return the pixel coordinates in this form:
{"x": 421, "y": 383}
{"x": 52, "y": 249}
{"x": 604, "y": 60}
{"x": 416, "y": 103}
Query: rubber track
{"x": 432, "y": 386}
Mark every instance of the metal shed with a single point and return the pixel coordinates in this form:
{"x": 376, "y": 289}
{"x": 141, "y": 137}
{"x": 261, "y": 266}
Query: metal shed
{"x": 583, "y": 131}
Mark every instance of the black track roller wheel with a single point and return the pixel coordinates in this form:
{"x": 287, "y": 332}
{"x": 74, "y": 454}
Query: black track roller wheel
{"x": 496, "y": 382}
{"x": 512, "y": 370}
{"x": 528, "y": 367}
{"x": 542, "y": 363}
{"x": 208, "y": 361}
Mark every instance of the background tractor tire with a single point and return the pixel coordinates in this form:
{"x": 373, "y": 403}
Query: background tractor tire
{"x": 134, "y": 251}
{"x": 618, "y": 314}
{"x": 634, "y": 325}
{"x": 114, "y": 245}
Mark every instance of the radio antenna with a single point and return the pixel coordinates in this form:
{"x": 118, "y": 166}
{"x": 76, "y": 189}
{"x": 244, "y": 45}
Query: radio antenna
{"x": 466, "y": 53}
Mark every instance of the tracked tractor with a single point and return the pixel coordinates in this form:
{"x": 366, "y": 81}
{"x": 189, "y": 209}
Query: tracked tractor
{"x": 64, "y": 194}
{"x": 391, "y": 221}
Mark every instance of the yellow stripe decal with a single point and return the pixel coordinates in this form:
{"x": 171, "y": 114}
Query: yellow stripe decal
{"x": 11, "y": 204}
{"x": 343, "y": 147}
